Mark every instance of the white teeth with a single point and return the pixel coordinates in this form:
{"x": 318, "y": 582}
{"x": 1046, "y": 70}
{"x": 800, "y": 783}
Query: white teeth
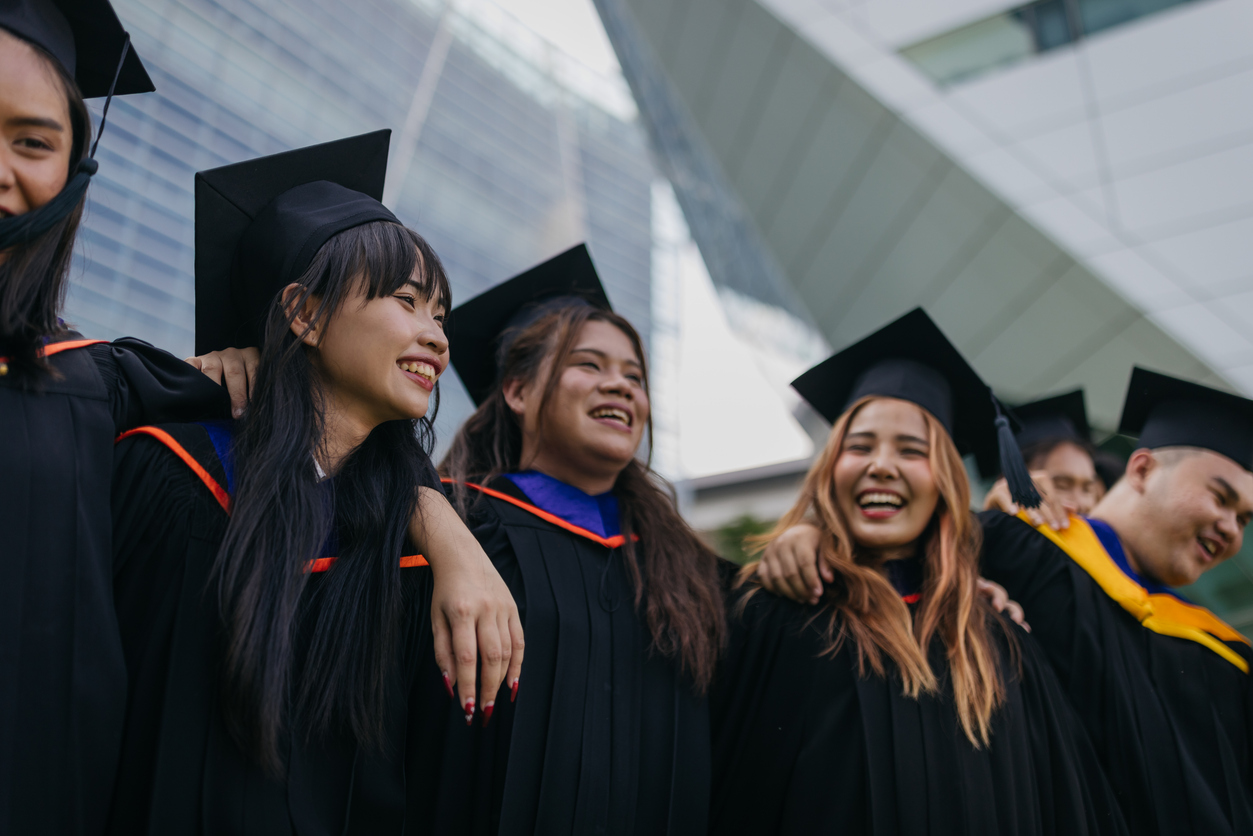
{"x": 424, "y": 369}
{"x": 1210, "y": 548}
{"x": 879, "y": 498}
{"x": 614, "y": 413}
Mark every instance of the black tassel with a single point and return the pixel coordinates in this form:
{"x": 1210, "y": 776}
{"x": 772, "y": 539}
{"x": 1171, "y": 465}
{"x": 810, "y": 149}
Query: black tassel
{"x": 24, "y": 228}
{"x": 1021, "y": 488}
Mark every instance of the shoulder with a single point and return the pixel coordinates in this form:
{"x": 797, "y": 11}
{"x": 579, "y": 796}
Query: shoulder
{"x": 168, "y": 454}
{"x": 147, "y": 384}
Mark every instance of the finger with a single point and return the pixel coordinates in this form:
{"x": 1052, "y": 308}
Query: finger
{"x": 995, "y": 593}
{"x": 824, "y": 569}
{"x": 518, "y": 640}
{"x": 809, "y": 575}
{"x": 252, "y": 361}
{"x": 211, "y": 365}
{"x": 1014, "y": 610}
{"x": 494, "y": 647}
{"x": 236, "y": 379}
{"x": 443, "y": 649}
{"x": 465, "y": 648}
{"x": 793, "y": 580}
{"x": 194, "y": 362}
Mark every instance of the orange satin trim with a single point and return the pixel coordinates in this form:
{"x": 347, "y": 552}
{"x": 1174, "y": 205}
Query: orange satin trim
{"x": 320, "y": 564}
{"x": 1161, "y": 613}
{"x": 613, "y": 542}
{"x": 219, "y": 492}
{"x": 56, "y": 348}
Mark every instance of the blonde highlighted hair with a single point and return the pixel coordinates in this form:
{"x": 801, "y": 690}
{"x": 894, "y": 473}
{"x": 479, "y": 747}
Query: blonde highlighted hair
{"x": 867, "y": 609}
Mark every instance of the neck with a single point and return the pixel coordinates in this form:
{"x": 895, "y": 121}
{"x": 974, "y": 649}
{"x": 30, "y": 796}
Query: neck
{"x": 888, "y": 553}
{"x": 347, "y": 426}
{"x": 1118, "y": 510}
{"x": 592, "y": 482}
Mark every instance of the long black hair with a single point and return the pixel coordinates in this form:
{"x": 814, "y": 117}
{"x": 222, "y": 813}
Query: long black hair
{"x": 674, "y": 573}
{"x": 34, "y": 276}
{"x": 319, "y": 662}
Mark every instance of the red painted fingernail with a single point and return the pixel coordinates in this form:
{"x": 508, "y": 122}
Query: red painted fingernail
{"x": 513, "y": 691}
{"x": 448, "y": 684}
{"x": 487, "y": 711}
{"x": 469, "y": 709}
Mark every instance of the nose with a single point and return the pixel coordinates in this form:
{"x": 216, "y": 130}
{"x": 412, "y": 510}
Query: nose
{"x": 615, "y": 382}
{"x": 881, "y": 466}
{"x": 433, "y": 337}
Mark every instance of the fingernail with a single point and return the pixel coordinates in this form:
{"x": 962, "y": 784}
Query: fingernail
{"x": 469, "y": 709}
{"x": 448, "y": 684}
{"x": 487, "y": 711}
{"x": 513, "y": 691}
{"x": 237, "y": 412}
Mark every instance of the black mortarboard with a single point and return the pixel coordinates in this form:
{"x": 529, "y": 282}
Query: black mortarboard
{"x": 1062, "y": 416}
{"x": 911, "y": 359}
{"x": 478, "y": 329}
{"x": 85, "y": 36}
{"x": 260, "y": 222}
{"x": 1168, "y": 412}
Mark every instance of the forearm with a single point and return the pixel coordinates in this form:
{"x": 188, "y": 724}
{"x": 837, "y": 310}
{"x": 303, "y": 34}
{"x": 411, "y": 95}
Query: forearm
{"x": 439, "y": 533}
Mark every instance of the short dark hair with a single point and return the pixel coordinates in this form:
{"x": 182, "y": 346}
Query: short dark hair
{"x": 1035, "y": 453}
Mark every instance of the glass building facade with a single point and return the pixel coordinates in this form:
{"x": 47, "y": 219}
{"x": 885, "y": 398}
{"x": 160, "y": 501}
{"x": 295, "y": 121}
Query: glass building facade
{"x": 502, "y": 154}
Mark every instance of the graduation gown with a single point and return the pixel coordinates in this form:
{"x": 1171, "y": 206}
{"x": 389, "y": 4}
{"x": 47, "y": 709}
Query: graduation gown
{"x": 803, "y": 744}
{"x": 62, "y": 678}
{"x": 606, "y": 736}
{"x": 1169, "y": 717}
{"x": 179, "y": 772}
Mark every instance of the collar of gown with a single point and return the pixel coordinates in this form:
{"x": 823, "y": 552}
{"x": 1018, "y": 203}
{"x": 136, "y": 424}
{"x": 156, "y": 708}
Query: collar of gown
{"x": 598, "y": 514}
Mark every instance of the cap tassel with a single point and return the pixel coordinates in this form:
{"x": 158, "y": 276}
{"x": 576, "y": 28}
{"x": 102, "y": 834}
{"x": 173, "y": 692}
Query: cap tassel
{"x": 1021, "y": 489}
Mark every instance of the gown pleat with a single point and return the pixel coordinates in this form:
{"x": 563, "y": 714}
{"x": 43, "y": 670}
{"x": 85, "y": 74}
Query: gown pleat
{"x": 606, "y": 736}
{"x": 803, "y": 743}
{"x": 62, "y": 674}
{"x": 180, "y": 770}
{"x": 1169, "y": 718}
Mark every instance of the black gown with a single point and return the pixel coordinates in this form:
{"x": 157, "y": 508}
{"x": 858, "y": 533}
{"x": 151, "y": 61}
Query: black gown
{"x": 1169, "y": 718}
{"x": 62, "y": 678}
{"x": 179, "y": 771}
{"x": 803, "y": 744}
{"x": 606, "y": 737}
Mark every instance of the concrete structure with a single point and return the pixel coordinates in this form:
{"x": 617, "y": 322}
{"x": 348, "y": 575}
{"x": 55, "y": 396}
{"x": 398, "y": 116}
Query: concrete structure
{"x": 503, "y": 152}
{"x": 1064, "y": 185}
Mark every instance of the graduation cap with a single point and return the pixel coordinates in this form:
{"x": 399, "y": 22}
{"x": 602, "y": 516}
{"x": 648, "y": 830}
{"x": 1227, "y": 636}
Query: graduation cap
{"x": 86, "y": 37}
{"x": 479, "y": 330}
{"x": 89, "y": 41}
{"x": 1168, "y": 412}
{"x": 1062, "y": 416}
{"x": 911, "y": 359}
{"x": 260, "y": 222}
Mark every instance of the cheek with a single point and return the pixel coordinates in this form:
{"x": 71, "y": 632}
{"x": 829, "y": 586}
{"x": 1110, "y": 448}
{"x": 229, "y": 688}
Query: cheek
{"x": 43, "y": 180}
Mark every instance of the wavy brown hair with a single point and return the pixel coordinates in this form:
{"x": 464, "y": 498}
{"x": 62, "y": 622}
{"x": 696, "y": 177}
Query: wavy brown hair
{"x": 675, "y": 575}
{"x": 866, "y": 608}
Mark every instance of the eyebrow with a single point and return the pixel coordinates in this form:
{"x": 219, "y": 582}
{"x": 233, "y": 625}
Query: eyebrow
{"x": 902, "y": 437}
{"x": 602, "y": 354}
{"x": 35, "y": 122}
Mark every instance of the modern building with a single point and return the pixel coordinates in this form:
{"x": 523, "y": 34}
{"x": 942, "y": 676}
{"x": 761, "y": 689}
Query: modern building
{"x": 1064, "y": 185}
{"x": 503, "y": 151}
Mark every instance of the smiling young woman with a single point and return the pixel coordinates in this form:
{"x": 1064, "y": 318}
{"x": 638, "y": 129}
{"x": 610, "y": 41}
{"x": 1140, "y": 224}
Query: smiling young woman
{"x": 281, "y": 584}
{"x": 903, "y": 703}
{"x": 620, "y": 599}
{"x": 63, "y": 400}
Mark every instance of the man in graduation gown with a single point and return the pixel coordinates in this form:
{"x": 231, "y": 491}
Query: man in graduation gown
{"x": 1161, "y": 685}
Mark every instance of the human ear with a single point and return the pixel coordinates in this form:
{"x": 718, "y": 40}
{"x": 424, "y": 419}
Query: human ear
{"x": 301, "y": 312}
{"x": 515, "y": 396}
{"x": 1141, "y": 464}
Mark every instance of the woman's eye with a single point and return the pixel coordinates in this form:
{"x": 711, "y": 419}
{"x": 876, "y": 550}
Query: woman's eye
{"x": 34, "y": 142}
{"x": 411, "y": 301}
{"x": 858, "y": 448}
{"x": 912, "y": 452}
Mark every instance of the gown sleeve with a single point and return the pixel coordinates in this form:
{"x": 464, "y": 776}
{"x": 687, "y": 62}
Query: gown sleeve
{"x": 1037, "y": 574}
{"x": 149, "y": 386}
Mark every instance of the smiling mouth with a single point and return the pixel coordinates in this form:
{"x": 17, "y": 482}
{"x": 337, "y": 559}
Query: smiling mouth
{"x": 880, "y": 503}
{"x": 612, "y": 413}
{"x": 1208, "y": 546}
{"x": 423, "y": 370}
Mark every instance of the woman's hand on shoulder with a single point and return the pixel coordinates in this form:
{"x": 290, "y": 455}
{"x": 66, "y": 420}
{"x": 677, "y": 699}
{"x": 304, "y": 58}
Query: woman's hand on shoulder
{"x": 237, "y": 367}
{"x": 999, "y": 598}
{"x": 1051, "y": 512}
{"x": 790, "y": 566}
{"x": 478, "y": 633}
